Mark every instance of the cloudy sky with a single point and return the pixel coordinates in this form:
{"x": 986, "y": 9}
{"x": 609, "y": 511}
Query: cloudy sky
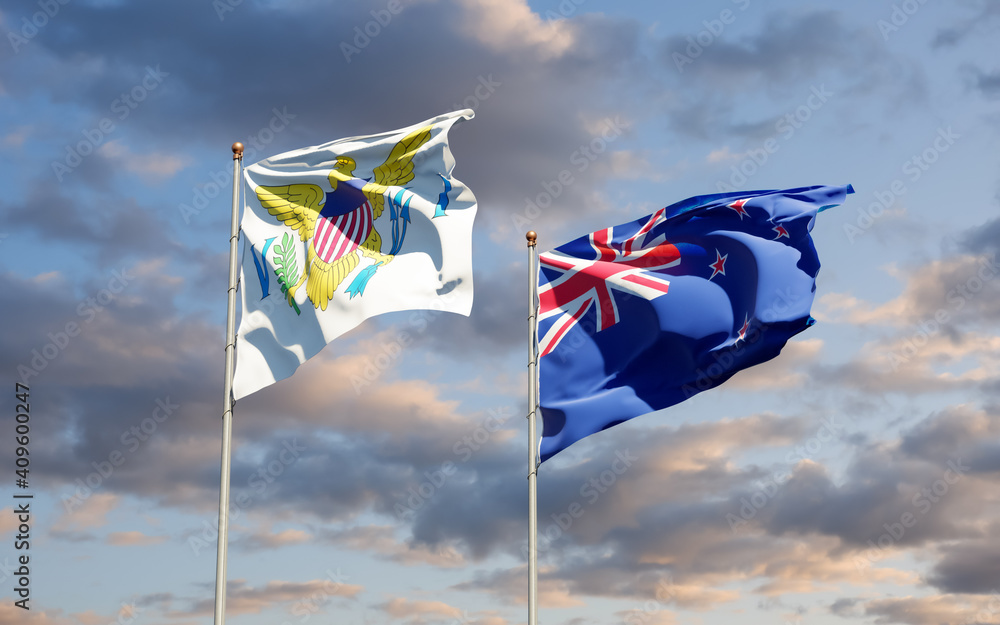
{"x": 855, "y": 479}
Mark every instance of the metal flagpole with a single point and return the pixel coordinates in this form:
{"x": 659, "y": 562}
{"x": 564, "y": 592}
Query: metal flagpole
{"x": 227, "y": 411}
{"x": 532, "y": 438}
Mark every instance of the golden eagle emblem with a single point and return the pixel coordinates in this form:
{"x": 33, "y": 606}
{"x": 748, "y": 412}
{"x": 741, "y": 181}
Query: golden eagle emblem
{"x": 339, "y": 226}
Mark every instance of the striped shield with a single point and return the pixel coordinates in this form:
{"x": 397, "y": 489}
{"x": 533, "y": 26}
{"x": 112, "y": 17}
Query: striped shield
{"x": 337, "y": 236}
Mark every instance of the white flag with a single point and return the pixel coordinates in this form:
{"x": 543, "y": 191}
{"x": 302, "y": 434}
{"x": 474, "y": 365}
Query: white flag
{"x": 340, "y": 232}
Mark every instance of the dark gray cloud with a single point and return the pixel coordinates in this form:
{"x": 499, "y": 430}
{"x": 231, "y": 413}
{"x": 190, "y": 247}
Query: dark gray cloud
{"x": 105, "y": 362}
{"x": 108, "y": 227}
{"x": 950, "y": 434}
{"x": 479, "y": 512}
{"x": 790, "y": 47}
{"x": 956, "y": 33}
{"x": 133, "y": 382}
{"x": 932, "y": 610}
{"x": 988, "y": 83}
{"x": 927, "y": 478}
{"x": 533, "y": 100}
{"x": 159, "y": 599}
{"x": 858, "y": 511}
{"x": 792, "y": 53}
{"x": 618, "y": 457}
{"x": 476, "y": 514}
{"x": 72, "y": 537}
{"x": 984, "y": 238}
{"x": 844, "y": 607}
{"x": 686, "y": 536}
{"x": 970, "y": 567}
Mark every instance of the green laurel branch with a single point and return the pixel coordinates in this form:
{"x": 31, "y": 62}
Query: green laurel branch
{"x": 286, "y": 267}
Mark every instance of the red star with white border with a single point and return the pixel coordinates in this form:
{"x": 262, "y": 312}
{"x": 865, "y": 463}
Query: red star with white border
{"x": 743, "y": 330}
{"x": 719, "y": 266}
{"x": 738, "y": 207}
{"x": 781, "y": 232}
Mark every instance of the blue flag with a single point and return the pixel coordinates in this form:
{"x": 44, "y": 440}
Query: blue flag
{"x": 642, "y": 316}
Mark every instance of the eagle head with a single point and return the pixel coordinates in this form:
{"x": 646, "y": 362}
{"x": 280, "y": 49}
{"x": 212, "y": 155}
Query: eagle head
{"x": 343, "y": 169}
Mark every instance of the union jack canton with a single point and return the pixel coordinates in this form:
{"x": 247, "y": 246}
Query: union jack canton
{"x": 626, "y": 267}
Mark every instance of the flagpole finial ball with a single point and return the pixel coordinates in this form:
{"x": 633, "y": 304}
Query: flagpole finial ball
{"x": 531, "y": 236}
{"x": 237, "y": 150}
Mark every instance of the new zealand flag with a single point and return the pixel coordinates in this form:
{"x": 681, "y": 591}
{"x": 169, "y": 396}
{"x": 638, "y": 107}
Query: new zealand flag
{"x": 642, "y": 316}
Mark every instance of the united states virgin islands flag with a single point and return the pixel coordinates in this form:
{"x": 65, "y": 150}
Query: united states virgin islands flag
{"x": 641, "y": 316}
{"x": 340, "y": 232}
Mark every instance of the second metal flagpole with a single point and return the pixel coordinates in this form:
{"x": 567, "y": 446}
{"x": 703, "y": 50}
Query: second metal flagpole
{"x": 532, "y": 436}
{"x": 227, "y": 411}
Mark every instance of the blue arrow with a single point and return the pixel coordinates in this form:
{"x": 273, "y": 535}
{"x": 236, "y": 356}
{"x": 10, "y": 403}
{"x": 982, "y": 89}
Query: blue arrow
{"x": 442, "y": 198}
{"x": 392, "y": 218}
{"x": 360, "y": 281}
{"x": 404, "y": 217}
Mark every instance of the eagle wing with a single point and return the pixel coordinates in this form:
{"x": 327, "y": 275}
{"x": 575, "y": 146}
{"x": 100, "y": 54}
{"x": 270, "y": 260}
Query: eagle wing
{"x": 324, "y": 277}
{"x": 295, "y": 205}
{"x": 397, "y": 169}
